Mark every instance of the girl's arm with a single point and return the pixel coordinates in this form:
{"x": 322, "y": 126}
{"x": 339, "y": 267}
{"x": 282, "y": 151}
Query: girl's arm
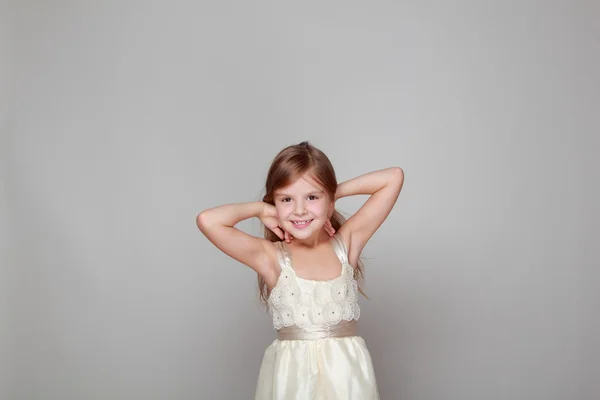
{"x": 217, "y": 224}
{"x": 384, "y": 187}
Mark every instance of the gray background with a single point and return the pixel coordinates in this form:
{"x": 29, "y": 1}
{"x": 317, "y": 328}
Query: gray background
{"x": 122, "y": 120}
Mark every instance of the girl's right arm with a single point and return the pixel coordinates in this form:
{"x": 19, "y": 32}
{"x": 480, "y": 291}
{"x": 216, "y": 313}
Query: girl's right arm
{"x": 217, "y": 224}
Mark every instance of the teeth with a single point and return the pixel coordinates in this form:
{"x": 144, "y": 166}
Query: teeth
{"x": 301, "y": 222}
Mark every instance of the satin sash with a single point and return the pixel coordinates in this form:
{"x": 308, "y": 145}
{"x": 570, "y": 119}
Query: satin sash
{"x": 343, "y": 329}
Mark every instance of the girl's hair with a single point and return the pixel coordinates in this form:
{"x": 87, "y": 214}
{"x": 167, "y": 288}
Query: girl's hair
{"x": 289, "y": 165}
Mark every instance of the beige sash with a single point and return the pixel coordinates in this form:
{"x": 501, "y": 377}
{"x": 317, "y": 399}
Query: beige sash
{"x": 343, "y": 329}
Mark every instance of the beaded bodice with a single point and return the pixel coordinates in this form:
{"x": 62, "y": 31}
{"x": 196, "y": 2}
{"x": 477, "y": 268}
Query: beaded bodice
{"x": 311, "y": 303}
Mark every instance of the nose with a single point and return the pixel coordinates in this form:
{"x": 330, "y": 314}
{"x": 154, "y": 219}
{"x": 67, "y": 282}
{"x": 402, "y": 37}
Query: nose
{"x": 300, "y": 208}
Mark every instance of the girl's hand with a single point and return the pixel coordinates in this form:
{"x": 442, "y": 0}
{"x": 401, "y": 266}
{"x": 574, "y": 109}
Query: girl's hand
{"x": 329, "y": 228}
{"x": 269, "y": 219}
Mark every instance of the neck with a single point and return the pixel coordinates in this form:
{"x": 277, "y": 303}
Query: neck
{"x": 313, "y": 241}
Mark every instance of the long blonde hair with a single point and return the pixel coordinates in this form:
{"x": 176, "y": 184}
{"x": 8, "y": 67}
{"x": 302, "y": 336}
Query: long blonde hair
{"x": 289, "y": 165}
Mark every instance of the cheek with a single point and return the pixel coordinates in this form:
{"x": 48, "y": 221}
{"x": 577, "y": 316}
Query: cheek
{"x": 319, "y": 210}
{"x": 283, "y": 209}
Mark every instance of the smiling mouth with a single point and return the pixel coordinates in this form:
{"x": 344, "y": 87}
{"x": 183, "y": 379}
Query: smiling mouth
{"x": 301, "y": 223}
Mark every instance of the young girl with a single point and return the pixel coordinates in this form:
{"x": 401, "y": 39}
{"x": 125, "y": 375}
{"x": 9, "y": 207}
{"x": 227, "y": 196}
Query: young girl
{"x": 308, "y": 272}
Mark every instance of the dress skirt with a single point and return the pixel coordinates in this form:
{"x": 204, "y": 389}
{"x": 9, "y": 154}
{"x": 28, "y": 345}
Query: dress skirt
{"x": 334, "y": 368}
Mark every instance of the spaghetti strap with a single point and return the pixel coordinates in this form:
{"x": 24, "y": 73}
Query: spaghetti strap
{"x": 282, "y": 256}
{"x": 340, "y": 248}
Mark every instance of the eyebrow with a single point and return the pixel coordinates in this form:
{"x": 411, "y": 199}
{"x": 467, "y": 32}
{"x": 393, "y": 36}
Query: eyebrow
{"x": 288, "y": 195}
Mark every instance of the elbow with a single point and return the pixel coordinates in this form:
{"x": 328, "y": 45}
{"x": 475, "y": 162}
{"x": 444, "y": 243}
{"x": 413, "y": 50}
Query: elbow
{"x": 397, "y": 175}
{"x": 203, "y": 221}
{"x": 396, "y": 178}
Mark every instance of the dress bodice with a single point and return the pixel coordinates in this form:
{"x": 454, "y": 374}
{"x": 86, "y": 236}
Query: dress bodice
{"x": 312, "y": 303}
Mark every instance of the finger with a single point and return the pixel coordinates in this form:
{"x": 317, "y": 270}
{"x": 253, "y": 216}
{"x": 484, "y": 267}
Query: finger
{"x": 278, "y": 232}
{"x": 328, "y": 227}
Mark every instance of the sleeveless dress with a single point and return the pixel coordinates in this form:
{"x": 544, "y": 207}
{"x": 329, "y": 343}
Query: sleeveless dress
{"x": 317, "y": 354}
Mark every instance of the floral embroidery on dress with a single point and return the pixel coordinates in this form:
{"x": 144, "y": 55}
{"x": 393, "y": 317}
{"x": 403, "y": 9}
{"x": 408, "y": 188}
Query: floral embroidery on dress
{"x": 307, "y": 303}
{"x": 333, "y": 313}
{"x": 286, "y": 278}
{"x": 317, "y": 317}
{"x": 323, "y": 293}
{"x": 302, "y": 316}
{"x": 306, "y": 294}
{"x": 339, "y": 291}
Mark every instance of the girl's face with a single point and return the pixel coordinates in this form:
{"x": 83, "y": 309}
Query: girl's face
{"x": 303, "y": 207}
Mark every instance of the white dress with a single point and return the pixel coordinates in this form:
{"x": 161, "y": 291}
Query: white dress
{"x": 317, "y": 354}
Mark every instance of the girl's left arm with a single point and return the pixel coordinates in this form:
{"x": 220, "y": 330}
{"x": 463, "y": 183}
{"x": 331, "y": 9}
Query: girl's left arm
{"x": 384, "y": 187}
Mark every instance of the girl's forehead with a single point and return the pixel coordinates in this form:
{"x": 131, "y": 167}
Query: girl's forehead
{"x": 305, "y": 183}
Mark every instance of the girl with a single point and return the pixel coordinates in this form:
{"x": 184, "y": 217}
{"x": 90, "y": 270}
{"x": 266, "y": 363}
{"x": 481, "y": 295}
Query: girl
{"x": 308, "y": 272}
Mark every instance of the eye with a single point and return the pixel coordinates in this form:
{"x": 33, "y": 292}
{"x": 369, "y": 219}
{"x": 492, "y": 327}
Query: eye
{"x": 313, "y": 197}
{"x": 285, "y": 200}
